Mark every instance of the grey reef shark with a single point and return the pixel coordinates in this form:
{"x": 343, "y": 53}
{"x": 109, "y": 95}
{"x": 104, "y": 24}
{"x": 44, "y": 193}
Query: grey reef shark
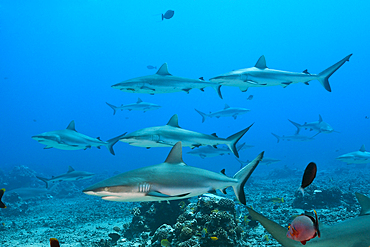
{"x": 70, "y": 139}
{"x": 71, "y": 175}
{"x": 226, "y": 112}
{"x": 138, "y": 106}
{"x": 164, "y": 82}
{"x": 170, "y": 180}
{"x": 171, "y": 133}
{"x": 296, "y": 137}
{"x": 210, "y": 151}
{"x": 264, "y": 161}
{"x": 357, "y": 157}
{"x": 261, "y": 76}
{"x": 319, "y": 126}
{"x": 349, "y": 233}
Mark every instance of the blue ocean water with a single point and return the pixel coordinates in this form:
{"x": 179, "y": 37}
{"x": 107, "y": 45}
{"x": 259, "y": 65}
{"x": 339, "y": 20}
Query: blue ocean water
{"x": 60, "y": 58}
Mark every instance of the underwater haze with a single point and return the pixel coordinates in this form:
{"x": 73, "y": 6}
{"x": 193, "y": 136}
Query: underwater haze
{"x": 59, "y": 60}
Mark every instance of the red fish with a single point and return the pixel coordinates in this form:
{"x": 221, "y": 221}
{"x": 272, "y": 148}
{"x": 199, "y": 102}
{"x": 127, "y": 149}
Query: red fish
{"x": 308, "y": 176}
{"x": 54, "y": 242}
{"x": 2, "y": 205}
{"x": 303, "y": 228}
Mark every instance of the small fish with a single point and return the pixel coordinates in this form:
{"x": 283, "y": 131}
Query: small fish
{"x": 204, "y": 232}
{"x": 165, "y": 243}
{"x": 250, "y": 97}
{"x": 277, "y": 200}
{"x": 214, "y": 238}
{"x": 266, "y": 237}
{"x": 151, "y": 67}
{"x": 54, "y": 242}
{"x": 182, "y": 204}
{"x": 2, "y": 205}
{"x": 303, "y": 228}
{"x": 308, "y": 176}
{"x": 168, "y": 15}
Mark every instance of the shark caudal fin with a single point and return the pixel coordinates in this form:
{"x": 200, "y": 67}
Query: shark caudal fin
{"x": 232, "y": 140}
{"x": 113, "y": 107}
{"x": 45, "y": 180}
{"x": 2, "y": 205}
{"x": 277, "y": 231}
{"x": 242, "y": 176}
{"x": 277, "y": 137}
{"x": 297, "y": 125}
{"x": 111, "y": 142}
{"x": 323, "y": 77}
{"x": 202, "y": 114}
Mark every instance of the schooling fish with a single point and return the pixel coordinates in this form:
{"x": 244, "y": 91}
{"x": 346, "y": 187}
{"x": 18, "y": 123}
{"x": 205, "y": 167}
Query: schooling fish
{"x": 168, "y": 15}
{"x": 54, "y": 242}
{"x": 303, "y": 228}
{"x": 308, "y": 176}
{"x": 2, "y": 205}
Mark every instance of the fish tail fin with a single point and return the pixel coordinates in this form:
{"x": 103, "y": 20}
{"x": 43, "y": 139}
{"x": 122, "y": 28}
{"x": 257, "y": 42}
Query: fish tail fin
{"x": 202, "y": 114}
{"x": 277, "y": 137}
{"x": 45, "y": 180}
{"x": 233, "y": 140}
{"x": 277, "y": 231}
{"x": 242, "y": 176}
{"x": 113, "y": 107}
{"x": 162, "y": 17}
{"x": 323, "y": 77}
{"x": 111, "y": 142}
{"x": 301, "y": 190}
{"x": 297, "y": 125}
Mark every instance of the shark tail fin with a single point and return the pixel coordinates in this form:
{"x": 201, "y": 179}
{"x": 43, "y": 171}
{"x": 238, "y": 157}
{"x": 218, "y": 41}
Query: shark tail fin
{"x": 323, "y": 76}
{"x": 202, "y": 114}
{"x": 45, "y": 180}
{"x": 111, "y": 142}
{"x": 297, "y": 125}
{"x": 113, "y": 107}
{"x": 233, "y": 139}
{"x": 277, "y": 137}
{"x": 277, "y": 231}
{"x": 242, "y": 176}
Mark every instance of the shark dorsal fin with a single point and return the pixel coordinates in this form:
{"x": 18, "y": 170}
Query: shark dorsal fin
{"x": 70, "y": 169}
{"x": 320, "y": 118}
{"x": 223, "y": 171}
{"x": 214, "y": 134}
{"x": 362, "y": 149}
{"x": 139, "y": 100}
{"x": 364, "y": 202}
{"x": 175, "y": 156}
{"x": 163, "y": 70}
{"x": 174, "y": 121}
{"x": 71, "y": 125}
{"x": 261, "y": 63}
{"x": 226, "y": 106}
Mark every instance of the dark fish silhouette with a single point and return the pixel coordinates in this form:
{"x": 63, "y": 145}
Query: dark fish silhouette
{"x": 168, "y": 15}
{"x": 151, "y": 67}
{"x": 54, "y": 242}
{"x": 308, "y": 176}
{"x": 250, "y": 97}
{"x": 2, "y": 205}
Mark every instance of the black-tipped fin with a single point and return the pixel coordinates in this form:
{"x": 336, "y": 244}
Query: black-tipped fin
{"x": 161, "y": 195}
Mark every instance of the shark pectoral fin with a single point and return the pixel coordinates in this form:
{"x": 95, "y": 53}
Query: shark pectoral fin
{"x": 243, "y": 89}
{"x": 48, "y": 147}
{"x": 159, "y": 194}
{"x": 285, "y": 84}
{"x": 187, "y": 90}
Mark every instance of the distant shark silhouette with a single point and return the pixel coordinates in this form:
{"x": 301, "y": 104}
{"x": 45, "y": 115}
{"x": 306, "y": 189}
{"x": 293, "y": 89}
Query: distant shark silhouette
{"x": 319, "y": 126}
{"x": 210, "y": 151}
{"x": 171, "y": 133}
{"x": 349, "y": 233}
{"x": 170, "y": 180}
{"x": 164, "y": 82}
{"x": 261, "y": 76}
{"x": 296, "y": 137}
{"x": 70, "y": 139}
{"x": 226, "y": 112}
{"x": 357, "y": 157}
{"x": 138, "y": 106}
{"x": 71, "y": 175}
